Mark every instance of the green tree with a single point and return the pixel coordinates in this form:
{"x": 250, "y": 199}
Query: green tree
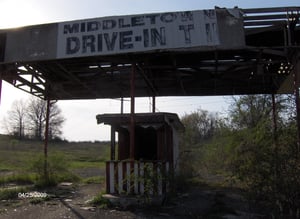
{"x": 266, "y": 162}
{"x": 200, "y": 127}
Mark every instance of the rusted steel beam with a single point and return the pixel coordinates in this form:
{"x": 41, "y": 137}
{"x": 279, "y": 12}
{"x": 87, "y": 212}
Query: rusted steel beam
{"x": 0, "y": 86}
{"x": 153, "y": 104}
{"x": 265, "y": 23}
{"x": 132, "y": 112}
{"x": 297, "y": 99}
{"x": 148, "y": 82}
{"x": 112, "y": 143}
{"x": 270, "y": 10}
{"x": 265, "y": 17}
{"x": 46, "y": 140}
{"x": 47, "y": 128}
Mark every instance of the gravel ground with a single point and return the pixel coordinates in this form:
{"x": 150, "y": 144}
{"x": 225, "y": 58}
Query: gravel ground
{"x": 71, "y": 202}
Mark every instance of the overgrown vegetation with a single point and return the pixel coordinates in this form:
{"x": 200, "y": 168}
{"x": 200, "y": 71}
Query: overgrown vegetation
{"x": 100, "y": 201}
{"x": 22, "y": 162}
{"x": 57, "y": 170}
{"x": 247, "y": 149}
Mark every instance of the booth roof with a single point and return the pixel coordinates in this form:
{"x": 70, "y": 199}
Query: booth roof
{"x": 141, "y": 119}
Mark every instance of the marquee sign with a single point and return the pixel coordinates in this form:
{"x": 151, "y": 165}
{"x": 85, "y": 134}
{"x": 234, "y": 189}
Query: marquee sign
{"x": 137, "y": 33}
{"x": 197, "y": 30}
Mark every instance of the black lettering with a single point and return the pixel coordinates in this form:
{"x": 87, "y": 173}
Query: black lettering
{"x": 168, "y": 17}
{"x": 122, "y": 23}
{"x": 88, "y": 42}
{"x": 110, "y": 42}
{"x": 158, "y": 36}
{"x": 125, "y": 40}
{"x": 137, "y": 21}
{"x": 99, "y": 42}
{"x": 146, "y": 37}
{"x": 73, "y": 45}
{"x": 152, "y": 18}
{"x": 210, "y": 32}
{"x": 82, "y": 27}
{"x": 68, "y": 28}
{"x": 187, "y": 34}
{"x": 109, "y": 24}
{"x": 93, "y": 26}
{"x": 186, "y": 16}
{"x": 209, "y": 14}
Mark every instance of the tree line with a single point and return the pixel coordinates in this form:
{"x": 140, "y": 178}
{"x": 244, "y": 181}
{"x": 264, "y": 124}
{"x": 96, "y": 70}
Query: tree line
{"x": 255, "y": 147}
{"x": 27, "y": 119}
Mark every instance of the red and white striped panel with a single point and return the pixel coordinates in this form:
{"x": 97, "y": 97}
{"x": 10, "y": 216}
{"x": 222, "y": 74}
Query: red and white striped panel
{"x": 137, "y": 177}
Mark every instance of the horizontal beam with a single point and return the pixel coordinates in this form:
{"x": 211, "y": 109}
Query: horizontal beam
{"x": 270, "y": 10}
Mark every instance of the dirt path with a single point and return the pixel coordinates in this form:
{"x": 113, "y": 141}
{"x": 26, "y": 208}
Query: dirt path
{"x": 71, "y": 202}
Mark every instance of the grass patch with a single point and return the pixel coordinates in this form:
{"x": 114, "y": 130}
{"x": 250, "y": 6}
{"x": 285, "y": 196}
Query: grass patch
{"x": 11, "y": 193}
{"x": 86, "y": 164}
{"x": 100, "y": 201}
{"x": 36, "y": 201}
{"x": 22, "y": 161}
{"x": 94, "y": 179}
{"x": 22, "y": 178}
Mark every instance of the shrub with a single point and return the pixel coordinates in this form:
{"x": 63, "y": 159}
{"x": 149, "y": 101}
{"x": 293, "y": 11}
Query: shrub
{"x": 100, "y": 201}
{"x": 52, "y": 170}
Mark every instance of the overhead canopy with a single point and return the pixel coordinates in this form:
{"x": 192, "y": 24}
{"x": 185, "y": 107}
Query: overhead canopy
{"x": 191, "y": 53}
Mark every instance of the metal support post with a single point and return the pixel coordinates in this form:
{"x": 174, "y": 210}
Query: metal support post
{"x": 274, "y": 118}
{"x": 0, "y": 87}
{"x": 132, "y": 112}
{"x": 274, "y": 115}
{"x": 46, "y": 141}
{"x": 153, "y": 104}
{"x": 112, "y": 144}
{"x": 297, "y": 101}
{"x": 47, "y": 128}
{"x": 122, "y": 105}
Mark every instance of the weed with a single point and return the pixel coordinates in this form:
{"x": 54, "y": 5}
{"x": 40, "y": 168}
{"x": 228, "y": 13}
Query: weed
{"x": 100, "y": 201}
{"x": 36, "y": 201}
{"x": 51, "y": 171}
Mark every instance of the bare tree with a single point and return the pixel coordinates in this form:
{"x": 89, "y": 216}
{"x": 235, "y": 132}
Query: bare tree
{"x": 37, "y": 117}
{"x": 56, "y": 121}
{"x": 15, "y": 121}
{"x": 36, "y": 114}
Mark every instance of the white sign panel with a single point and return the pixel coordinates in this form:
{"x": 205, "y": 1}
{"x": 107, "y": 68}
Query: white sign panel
{"x": 137, "y": 33}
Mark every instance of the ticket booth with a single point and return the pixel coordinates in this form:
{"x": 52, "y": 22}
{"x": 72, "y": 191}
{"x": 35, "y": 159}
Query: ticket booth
{"x": 155, "y": 156}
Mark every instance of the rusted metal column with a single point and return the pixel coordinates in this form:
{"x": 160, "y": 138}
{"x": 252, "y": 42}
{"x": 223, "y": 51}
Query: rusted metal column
{"x": 112, "y": 143}
{"x": 46, "y": 175}
{"x": 132, "y": 112}
{"x": 0, "y": 86}
{"x": 274, "y": 115}
{"x": 47, "y": 128}
{"x": 122, "y": 105}
{"x": 297, "y": 100}
{"x": 153, "y": 104}
{"x": 274, "y": 118}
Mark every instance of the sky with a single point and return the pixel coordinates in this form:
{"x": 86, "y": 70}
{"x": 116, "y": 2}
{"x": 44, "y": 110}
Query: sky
{"x": 80, "y": 115}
